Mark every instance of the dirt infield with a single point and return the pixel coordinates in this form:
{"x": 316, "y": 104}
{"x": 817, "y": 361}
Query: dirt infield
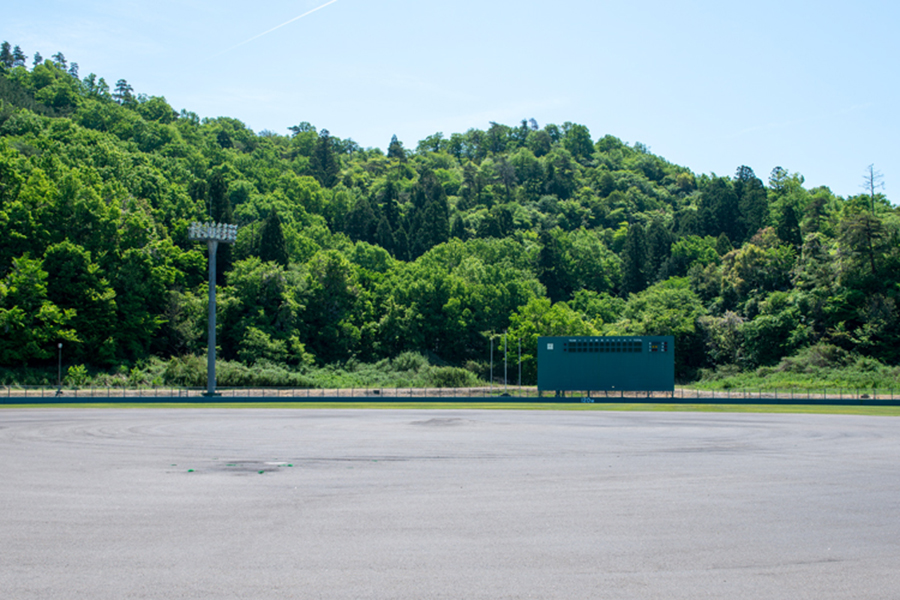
{"x": 212, "y": 503}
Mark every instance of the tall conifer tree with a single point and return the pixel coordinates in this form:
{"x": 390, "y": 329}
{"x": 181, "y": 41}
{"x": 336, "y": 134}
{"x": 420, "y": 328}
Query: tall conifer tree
{"x": 272, "y": 246}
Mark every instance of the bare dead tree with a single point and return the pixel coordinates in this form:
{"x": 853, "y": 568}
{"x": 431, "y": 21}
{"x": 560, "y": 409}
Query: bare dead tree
{"x": 872, "y": 180}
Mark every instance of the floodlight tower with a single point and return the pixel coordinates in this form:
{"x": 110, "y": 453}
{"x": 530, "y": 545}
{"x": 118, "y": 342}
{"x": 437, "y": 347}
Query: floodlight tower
{"x": 212, "y": 234}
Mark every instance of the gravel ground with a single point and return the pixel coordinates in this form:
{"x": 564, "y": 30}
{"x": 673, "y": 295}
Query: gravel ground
{"x": 300, "y": 503}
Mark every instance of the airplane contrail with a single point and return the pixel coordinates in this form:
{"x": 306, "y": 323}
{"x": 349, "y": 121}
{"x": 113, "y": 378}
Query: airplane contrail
{"x": 256, "y": 37}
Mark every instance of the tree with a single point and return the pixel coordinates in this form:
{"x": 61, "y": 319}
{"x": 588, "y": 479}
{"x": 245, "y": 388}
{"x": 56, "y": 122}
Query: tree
{"x": 272, "y": 246}
{"x": 124, "y": 93}
{"x": 788, "y": 227}
{"x": 540, "y": 317}
{"x": 220, "y": 209}
{"x": 539, "y": 142}
{"x": 872, "y": 181}
{"x": 32, "y": 325}
{"x": 384, "y": 236}
{"x": 562, "y": 173}
{"x": 323, "y": 162}
{"x": 38, "y": 59}
{"x": 429, "y": 224}
{"x": 78, "y": 283}
{"x": 718, "y": 211}
{"x": 458, "y": 229}
{"x": 6, "y": 56}
{"x": 361, "y": 222}
{"x": 752, "y": 200}
{"x": 553, "y": 266}
{"x": 864, "y": 240}
{"x": 60, "y": 59}
{"x": 303, "y": 127}
{"x": 506, "y": 173}
{"x": 141, "y": 284}
{"x": 388, "y": 204}
{"x": 659, "y": 245}
{"x": 18, "y": 57}
{"x": 332, "y": 292}
{"x": 395, "y": 149}
{"x": 635, "y": 260}
{"x": 432, "y": 143}
{"x": 578, "y": 142}
{"x": 260, "y": 313}
{"x": 668, "y": 308}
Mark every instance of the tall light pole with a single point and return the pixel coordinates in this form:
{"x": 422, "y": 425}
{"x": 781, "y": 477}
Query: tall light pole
{"x": 212, "y": 234}
{"x": 505, "y": 364}
{"x": 492, "y": 364}
{"x": 520, "y": 364}
{"x": 59, "y": 372}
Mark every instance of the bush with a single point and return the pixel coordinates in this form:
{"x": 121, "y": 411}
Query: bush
{"x": 185, "y": 371}
{"x": 451, "y": 377}
{"x": 77, "y": 376}
{"x": 409, "y": 361}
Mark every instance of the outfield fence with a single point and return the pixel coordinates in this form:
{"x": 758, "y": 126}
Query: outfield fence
{"x": 493, "y": 394}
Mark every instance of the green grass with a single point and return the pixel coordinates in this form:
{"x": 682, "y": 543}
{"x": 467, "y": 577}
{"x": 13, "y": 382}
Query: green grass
{"x": 887, "y": 411}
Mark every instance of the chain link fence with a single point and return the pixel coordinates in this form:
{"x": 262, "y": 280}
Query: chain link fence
{"x": 494, "y": 394}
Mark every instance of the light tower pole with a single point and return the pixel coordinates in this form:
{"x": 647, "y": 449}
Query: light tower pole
{"x": 212, "y": 234}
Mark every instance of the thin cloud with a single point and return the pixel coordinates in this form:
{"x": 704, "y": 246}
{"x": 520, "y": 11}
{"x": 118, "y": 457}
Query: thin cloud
{"x": 256, "y": 37}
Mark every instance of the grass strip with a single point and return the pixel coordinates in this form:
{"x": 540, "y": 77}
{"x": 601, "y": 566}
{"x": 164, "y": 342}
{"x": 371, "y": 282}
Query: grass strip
{"x": 887, "y": 411}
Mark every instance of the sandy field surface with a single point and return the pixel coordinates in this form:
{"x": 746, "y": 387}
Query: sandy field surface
{"x": 415, "y": 504}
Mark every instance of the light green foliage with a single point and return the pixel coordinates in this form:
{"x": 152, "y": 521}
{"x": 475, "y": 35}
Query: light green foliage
{"x": 31, "y": 324}
{"x": 541, "y": 318}
{"x": 535, "y": 230}
{"x": 76, "y": 376}
{"x": 667, "y": 308}
{"x": 689, "y": 251}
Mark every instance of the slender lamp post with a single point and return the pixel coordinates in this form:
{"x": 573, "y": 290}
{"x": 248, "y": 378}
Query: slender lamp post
{"x": 59, "y": 372}
{"x": 520, "y": 364}
{"x": 212, "y": 234}
{"x": 505, "y": 365}
{"x": 492, "y": 364}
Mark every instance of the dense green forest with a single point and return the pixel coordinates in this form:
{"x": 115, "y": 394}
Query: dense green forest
{"x": 350, "y": 255}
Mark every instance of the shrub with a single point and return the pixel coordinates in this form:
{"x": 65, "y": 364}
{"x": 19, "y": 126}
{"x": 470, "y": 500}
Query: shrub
{"x": 451, "y": 377}
{"x": 76, "y": 376}
{"x": 409, "y": 361}
{"x": 187, "y": 371}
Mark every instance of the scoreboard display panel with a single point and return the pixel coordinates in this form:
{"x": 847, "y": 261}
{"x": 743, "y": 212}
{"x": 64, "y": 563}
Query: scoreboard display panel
{"x": 620, "y": 363}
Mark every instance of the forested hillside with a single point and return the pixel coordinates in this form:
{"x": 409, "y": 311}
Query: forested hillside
{"x": 346, "y": 253}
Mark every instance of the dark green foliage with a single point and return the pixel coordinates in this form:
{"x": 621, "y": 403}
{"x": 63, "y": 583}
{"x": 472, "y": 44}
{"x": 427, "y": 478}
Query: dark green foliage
{"x": 124, "y": 93}
{"x": 719, "y": 211}
{"x": 324, "y": 163}
{"x": 395, "y": 149}
{"x": 18, "y": 58}
{"x": 752, "y": 201}
{"x": 636, "y": 266}
{"x": 552, "y": 267}
{"x": 6, "y": 55}
{"x": 78, "y": 284}
{"x": 220, "y": 211}
{"x": 272, "y": 246}
{"x": 361, "y": 222}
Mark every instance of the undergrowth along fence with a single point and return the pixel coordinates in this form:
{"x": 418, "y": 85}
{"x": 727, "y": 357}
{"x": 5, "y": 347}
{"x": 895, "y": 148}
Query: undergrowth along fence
{"x": 87, "y": 395}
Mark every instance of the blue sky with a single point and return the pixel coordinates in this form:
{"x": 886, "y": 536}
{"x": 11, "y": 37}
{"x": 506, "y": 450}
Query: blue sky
{"x": 809, "y": 86}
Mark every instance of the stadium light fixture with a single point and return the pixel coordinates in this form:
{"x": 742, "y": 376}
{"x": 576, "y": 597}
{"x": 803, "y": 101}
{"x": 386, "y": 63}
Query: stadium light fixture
{"x": 213, "y": 234}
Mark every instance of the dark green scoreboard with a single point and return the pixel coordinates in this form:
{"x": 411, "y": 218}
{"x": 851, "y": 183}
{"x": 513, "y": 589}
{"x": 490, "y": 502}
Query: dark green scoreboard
{"x": 622, "y": 363}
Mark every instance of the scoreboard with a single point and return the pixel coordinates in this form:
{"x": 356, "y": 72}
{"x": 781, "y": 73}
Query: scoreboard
{"x": 615, "y": 363}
